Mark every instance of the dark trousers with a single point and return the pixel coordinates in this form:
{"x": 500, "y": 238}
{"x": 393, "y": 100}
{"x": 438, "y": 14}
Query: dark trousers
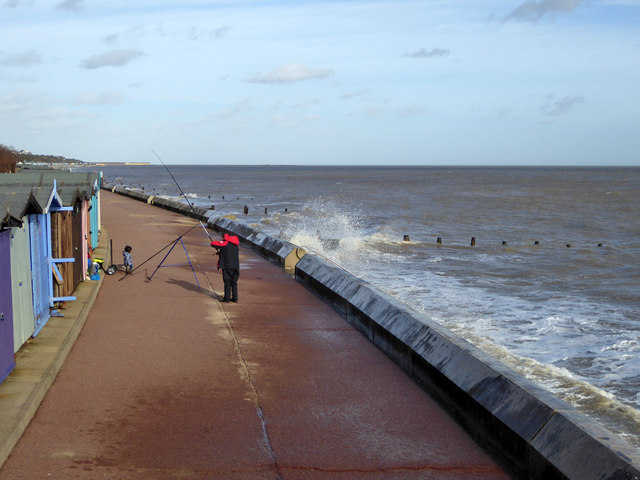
{"x": 230, "y": 279}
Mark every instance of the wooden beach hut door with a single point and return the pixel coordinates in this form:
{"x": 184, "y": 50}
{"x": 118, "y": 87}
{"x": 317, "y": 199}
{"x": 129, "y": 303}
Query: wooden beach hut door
{"x": 78, "y": 244}
{"x": 6, "y": 309}
{"x": 62, "y": 248}
{"x": 22, "y": 296}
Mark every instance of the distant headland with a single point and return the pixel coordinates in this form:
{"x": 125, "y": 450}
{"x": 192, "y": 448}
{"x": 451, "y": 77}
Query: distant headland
{"x": 120, "y": 164}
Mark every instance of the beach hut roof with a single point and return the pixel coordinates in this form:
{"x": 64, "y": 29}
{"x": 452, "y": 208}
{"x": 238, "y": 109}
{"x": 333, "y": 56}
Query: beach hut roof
{"x": 40, "y": 196}
{"x": 70, "y": 186}
{"x": 17, "y": 203}
{"x": 46, "y": 177}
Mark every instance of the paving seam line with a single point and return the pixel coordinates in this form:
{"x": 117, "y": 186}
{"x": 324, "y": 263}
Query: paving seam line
{"x": 255, "y": 394}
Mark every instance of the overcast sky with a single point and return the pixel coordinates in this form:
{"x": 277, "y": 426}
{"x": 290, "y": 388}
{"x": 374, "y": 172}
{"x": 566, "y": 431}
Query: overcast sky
{"x": 402, "y": 82}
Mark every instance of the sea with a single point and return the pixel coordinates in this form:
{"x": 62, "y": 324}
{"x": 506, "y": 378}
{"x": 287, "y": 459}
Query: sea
{"x": 537, "y": 266}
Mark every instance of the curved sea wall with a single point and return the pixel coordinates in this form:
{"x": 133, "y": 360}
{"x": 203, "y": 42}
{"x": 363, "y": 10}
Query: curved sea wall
{"x": 539, "y": 435}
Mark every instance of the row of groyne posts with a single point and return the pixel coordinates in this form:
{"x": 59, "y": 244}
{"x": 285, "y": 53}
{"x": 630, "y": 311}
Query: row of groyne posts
{"x": 406, "y": 237}
{"x": 246, "y": 208}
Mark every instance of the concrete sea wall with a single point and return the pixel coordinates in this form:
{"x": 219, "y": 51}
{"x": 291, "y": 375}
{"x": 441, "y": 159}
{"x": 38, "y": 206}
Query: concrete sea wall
{"x": 536, "y": 433}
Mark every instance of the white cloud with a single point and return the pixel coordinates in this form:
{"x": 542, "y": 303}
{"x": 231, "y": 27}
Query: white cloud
{"x": 112, "y": 58}
{"x": 562, "y": 106}
{"x": 23, "y": 59}
{"x": 424, "y": 53}
{"x": 19, "y": 101}
{"x": 350, "y": 95}
{"x": 73, "y": 5}
{"x": 534, "y": 10}
{"x": 111, "y": 39}
{"x": 412, "y": 111}
{"x": 16, "y": 3}
{"x": 105, "y": 98}
{"x": 236, "y": 111}
{"x": 221, "y": 32}
{"x": 196, "y": 33}
{"x": 292, "y": 72}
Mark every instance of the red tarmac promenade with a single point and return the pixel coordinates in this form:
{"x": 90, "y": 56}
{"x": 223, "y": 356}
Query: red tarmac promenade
{"x": 165, "y": 382}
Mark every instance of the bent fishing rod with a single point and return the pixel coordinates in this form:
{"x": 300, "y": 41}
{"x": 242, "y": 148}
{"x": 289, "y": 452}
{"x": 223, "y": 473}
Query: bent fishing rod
{"x": 173, "y": 243}
{"x": 182, "y": 192}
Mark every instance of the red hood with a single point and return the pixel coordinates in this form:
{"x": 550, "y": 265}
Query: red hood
{"x": 231, "y": 239}
{"x": 227, "y": 239}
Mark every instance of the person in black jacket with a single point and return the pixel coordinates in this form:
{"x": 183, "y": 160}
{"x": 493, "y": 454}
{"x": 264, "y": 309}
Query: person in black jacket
{"x": 229, "y": 262}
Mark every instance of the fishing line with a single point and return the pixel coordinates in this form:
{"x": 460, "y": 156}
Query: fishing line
{"x": 174, "y": 178}
{"x": 182, "y": 192}
{"x": 174, "y": 242}
{"x": 315, "y": 252}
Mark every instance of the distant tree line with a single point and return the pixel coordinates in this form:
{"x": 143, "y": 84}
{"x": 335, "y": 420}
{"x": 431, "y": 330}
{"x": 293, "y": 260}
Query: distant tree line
{"x": 10, "y": 157}
{"x": 8, "y": 160}
{"x": 33, "y": 158}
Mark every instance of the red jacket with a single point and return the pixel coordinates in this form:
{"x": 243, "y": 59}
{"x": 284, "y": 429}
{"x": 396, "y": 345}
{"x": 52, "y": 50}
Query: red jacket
{"x": 228, "y": 252}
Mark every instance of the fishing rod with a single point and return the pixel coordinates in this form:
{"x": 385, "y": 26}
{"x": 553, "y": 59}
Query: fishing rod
{"x": 182, "y": 192}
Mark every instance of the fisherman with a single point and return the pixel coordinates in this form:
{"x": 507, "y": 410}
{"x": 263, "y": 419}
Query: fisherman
{"x": 229, "y": 262}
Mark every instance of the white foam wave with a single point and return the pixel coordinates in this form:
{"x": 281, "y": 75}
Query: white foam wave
{"x": 194, "y": 195}
{"x": 625, "y": 345}
{"x": 596, "y": 403}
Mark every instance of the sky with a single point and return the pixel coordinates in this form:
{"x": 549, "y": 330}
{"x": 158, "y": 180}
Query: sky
{"x": 333, "y": 82}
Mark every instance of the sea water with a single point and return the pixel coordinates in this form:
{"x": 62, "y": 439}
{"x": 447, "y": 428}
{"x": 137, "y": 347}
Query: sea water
{"x": 551, "y": 286}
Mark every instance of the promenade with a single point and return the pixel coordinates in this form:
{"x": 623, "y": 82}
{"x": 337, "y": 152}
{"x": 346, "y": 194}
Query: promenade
{"x": 165, "y": 382}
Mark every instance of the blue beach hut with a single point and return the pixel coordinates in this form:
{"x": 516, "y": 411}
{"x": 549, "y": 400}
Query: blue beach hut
{"x": 41, "y": 261}
{"x": 44, "y": 264}
{"x": 94, "y": 209}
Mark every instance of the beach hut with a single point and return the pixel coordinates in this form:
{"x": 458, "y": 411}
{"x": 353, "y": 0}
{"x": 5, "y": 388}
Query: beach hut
{"x": 6, "y": 307}
{"x": 89, "y": 185}
{"x": 69, "y": 235}
{"x": 42, "y": 261}
{"x": 94, "y": 209}
{"x": 19, "y": 203}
